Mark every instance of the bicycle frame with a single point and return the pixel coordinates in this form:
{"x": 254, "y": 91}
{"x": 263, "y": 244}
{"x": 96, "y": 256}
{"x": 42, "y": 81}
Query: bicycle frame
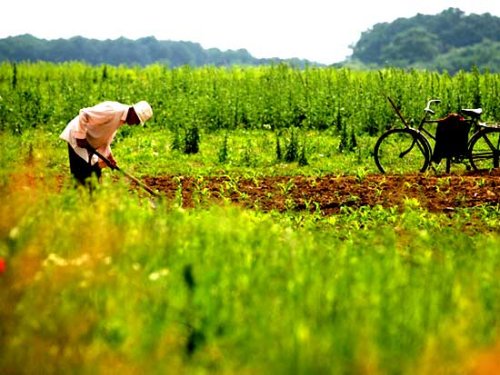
{"x": 483, "y": 145}
{"x": 422, "y": 138}
{"x": 473, "y": 121}
{"x": 420, "y": 128}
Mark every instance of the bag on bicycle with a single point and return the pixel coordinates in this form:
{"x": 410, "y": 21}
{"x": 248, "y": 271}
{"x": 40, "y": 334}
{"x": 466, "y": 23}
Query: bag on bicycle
{"x": 452, "y": 134}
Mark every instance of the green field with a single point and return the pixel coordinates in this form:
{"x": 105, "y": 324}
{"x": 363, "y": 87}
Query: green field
{"x": 121, "y": 282}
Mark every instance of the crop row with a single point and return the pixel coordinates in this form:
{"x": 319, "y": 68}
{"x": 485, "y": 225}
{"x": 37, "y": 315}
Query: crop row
{"x": 49, "y": 95}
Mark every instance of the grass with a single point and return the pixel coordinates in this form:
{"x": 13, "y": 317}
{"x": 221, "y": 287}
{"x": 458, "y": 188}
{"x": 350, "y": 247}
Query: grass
{"x": 247, "y": 152}
{"x": 113, "y": 282}
{"x": 110, "y": 281}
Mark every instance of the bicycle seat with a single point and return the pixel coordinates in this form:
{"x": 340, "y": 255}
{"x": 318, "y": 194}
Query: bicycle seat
{"x": 472, "y": 112}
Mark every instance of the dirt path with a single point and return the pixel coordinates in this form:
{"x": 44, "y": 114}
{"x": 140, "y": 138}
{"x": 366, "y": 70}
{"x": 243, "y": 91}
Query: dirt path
{"x": 330, "y": 193}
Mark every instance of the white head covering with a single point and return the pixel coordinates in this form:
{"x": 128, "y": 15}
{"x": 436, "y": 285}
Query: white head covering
{"x": 143, "y": 110}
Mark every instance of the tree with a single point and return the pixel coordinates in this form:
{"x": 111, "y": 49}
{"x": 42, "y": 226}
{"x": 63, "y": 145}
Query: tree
{"x": 410, "y": 46}
{"x": 485, "y": 55}
{"x": 423, "y": 40}
{"x": 143, "y": 51}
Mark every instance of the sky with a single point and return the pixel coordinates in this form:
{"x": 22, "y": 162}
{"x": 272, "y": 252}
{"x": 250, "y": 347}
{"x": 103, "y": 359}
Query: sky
{"x": 316, "y": 30}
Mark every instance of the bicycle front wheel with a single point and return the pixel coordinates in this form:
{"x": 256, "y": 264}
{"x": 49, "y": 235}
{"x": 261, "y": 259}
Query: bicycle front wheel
{"x": 402, "y": 150}
{"x": 484, "y": 149}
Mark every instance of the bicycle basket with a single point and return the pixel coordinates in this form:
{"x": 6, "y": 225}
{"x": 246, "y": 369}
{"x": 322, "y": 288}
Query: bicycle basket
{"x": 452, "y": 134}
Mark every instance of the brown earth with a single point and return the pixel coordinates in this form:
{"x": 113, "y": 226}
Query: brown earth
{"x": 330, "y": 193}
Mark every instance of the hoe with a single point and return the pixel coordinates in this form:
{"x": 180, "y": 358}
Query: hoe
{"x": 135, "y": 179}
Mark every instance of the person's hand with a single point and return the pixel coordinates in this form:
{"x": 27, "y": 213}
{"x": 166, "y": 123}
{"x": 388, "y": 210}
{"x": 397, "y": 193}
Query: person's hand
{"x": 112, "y": 161}
{"x": 102, "y": 164}
{"x": 83, "y": 143}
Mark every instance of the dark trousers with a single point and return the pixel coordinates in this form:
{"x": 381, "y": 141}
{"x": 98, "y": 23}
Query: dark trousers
{"x": 81, "y": 169}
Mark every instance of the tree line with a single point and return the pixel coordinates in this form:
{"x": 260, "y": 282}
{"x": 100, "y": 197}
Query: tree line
{"x": 123, "y": 51}
{"x": 448, "y": 41}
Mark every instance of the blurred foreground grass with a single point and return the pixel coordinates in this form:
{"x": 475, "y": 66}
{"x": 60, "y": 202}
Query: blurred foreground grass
{"x": 114, "y": 282}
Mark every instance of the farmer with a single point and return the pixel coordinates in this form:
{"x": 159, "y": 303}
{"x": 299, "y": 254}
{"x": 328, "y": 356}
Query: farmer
{"x": 95, "y": 128}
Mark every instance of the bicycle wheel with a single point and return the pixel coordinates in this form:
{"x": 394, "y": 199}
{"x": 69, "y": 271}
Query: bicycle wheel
{"x": 484, "y": 149}
{"x": 402, "y": 150}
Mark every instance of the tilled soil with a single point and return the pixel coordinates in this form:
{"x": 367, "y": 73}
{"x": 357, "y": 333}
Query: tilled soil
{"x": 330, "y": 193}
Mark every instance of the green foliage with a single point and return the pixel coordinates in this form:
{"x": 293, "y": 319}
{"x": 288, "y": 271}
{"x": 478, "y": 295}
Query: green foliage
{"x": 348, "y": 142}
{"x": 279, "y": 153}
{"x": 204, "y": 290}
{"x": 292, "y": 147}
{"x": 247, "y": 154}
{"x": 114, "y": 280}
{"x": 429, "y": 41}
{"x": 353, "y": 143}
{"x": 192, "y": 140}
{"x": 122, "y": 51}
{"x": 302, "y": 158}
{"x": 223, "y": 155}
{"x": 48, "y": 96}
{"x": 484, "y": 55}
{"x": 176, "y": 140}
{"x": 14, "y": 76}
{"x": 411, "y": 46}
{"x": 344, "y": 140}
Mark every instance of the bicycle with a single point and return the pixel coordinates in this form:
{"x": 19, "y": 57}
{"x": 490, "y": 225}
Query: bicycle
{"x": 409, "y": 148}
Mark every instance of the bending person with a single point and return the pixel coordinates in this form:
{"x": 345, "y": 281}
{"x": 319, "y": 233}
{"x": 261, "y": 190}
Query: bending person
{"x": 94, "y": 129}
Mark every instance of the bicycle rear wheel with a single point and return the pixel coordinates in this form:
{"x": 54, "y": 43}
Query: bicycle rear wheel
{"x": 484, "y": 149}
{"x": 402, "y": 150}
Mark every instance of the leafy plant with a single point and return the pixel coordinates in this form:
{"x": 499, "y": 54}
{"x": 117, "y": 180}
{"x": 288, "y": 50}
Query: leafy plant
{"x": 192, "y": 140}
{"x": 279, "y": 154}
{"x": 302, "y": 159}
{"x": 223, "y": 154}
{"x": 292, "y": 148}
{"x": 176, "y": 140}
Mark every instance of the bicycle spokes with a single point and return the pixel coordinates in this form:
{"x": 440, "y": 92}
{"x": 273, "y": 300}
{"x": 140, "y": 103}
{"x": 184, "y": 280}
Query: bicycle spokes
{"x": 395, "y": 152}
{"x": 485, "y": 149}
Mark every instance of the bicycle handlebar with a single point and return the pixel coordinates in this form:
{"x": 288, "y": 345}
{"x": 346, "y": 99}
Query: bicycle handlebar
{"x": 429, "y": 103}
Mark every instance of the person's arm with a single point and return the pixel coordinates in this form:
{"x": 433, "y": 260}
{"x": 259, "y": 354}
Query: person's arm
{"x": 80, "y": 133}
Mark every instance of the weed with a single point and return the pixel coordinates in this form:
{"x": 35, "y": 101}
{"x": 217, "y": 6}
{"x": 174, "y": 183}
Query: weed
{"x": 224, "y": 151}
{"x": 302, "y": 160}
{"x": 192, "y": 140}
{"x": 279, "y": 155}
{"x": 176, "y": 140}
{"x": 292, "y": 148}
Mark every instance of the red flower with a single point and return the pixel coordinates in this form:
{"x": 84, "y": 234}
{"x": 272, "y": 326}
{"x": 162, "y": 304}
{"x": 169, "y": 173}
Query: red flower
{"x": 2, "y": 265}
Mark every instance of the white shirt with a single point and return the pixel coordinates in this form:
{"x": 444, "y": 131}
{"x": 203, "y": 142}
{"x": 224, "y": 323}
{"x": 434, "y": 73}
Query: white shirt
{"x": 98, "y": 124}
